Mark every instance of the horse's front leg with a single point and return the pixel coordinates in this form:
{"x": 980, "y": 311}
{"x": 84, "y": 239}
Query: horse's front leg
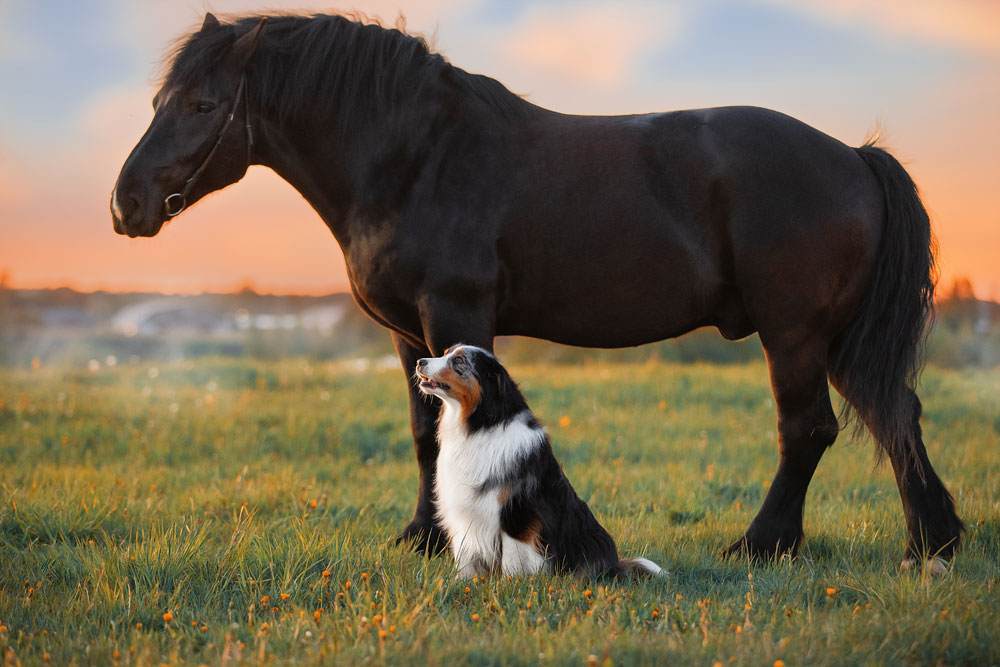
{"x": 423, "y": 531}
{"x": 445, "y": 324}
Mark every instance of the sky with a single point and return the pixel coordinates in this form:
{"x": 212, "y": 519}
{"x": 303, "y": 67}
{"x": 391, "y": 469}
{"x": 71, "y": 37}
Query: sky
{"x": 77, "y": 79}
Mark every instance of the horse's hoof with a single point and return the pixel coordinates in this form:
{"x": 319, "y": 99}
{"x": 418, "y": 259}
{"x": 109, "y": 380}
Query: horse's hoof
{"x": 422, "y": 538}
{"x": 934, "y": 566}
{"x": 739, "y": 548}
{"x": 762, "y": 551}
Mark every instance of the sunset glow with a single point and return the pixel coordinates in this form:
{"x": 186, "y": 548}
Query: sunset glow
{"x": 78, "y": 84}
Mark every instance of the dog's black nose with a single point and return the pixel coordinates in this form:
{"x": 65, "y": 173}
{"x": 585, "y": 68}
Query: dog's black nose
{"x": 421, "y": 363}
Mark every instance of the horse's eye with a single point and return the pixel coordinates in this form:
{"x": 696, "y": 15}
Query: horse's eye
{"x": 205, "y": 107}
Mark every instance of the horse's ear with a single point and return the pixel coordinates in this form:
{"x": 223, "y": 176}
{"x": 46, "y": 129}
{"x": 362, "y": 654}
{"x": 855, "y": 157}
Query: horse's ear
{"x": 210, "y": 23}
{"x": 246, "y": 46}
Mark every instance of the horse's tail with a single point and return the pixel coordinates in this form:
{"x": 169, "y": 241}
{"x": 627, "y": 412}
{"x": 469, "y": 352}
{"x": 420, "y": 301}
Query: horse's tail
{"x": 876, "y": 361}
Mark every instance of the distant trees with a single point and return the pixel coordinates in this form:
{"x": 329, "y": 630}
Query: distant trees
{"x": 966, "y": 331}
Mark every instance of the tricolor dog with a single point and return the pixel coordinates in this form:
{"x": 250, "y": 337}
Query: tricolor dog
{"x": 502, "y": 498}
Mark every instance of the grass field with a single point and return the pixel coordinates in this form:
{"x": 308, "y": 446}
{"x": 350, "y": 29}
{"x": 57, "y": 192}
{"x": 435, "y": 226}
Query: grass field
{"x": 222, "y": 512}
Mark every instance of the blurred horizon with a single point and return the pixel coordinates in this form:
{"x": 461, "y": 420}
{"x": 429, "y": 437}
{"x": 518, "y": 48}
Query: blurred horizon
{"x": 960, "y": 287}
{"x": 61, "y": 327}
{"x": 78, "y": 80}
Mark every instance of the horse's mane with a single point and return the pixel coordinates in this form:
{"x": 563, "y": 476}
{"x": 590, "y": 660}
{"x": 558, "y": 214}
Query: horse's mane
{"x": 330, "y": 64}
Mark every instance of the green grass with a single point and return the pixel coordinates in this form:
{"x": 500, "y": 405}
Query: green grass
{"x": 200, "y": 488}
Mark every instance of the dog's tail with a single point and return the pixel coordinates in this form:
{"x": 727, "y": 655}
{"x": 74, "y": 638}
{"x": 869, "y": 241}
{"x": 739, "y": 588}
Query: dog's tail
{"x": 640, "y": 567}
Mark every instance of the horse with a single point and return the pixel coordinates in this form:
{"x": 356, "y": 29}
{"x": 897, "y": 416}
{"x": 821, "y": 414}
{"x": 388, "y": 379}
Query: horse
{"x": 464, "y": 212}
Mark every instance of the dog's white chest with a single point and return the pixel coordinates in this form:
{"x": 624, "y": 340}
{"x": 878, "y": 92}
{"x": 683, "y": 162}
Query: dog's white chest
{"x": 467, "y": 500}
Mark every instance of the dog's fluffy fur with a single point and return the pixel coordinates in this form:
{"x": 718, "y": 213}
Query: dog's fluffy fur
{"x": 502, "y": 498}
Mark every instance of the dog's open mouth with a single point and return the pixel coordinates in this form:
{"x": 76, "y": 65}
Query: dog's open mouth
{"x": 427, "y": 383}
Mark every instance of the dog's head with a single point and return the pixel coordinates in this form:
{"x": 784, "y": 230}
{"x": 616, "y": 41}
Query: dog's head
{"x": 471, "y": 380}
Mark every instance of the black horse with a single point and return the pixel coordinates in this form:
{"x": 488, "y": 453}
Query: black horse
{"x": 465, "y": 212}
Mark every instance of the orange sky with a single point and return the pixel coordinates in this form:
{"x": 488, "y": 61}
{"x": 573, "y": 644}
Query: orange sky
{"x": 928, "y": 70}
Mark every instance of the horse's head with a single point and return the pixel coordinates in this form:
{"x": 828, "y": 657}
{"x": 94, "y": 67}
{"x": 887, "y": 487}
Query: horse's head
{"x": 199, "y": 140}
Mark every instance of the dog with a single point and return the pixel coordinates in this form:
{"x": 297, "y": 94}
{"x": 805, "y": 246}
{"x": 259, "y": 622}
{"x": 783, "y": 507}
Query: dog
{"x": 501, "y": 496}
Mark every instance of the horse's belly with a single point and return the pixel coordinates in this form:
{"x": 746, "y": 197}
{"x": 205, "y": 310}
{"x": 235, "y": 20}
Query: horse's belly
{"x": 598, "y": 327}
{"x": 612, "y": 295}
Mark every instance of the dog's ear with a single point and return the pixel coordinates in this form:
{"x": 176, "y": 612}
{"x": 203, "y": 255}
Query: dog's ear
{"x": 509, "y": 394}
{"x": 500, "y": 398}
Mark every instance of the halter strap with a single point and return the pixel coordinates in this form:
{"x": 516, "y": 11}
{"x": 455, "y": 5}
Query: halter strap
{"x": 179, "y": 199}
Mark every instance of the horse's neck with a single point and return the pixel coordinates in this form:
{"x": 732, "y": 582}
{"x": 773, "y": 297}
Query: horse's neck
{"x": 331, "y": 169}
{"x": 317, "y": 173}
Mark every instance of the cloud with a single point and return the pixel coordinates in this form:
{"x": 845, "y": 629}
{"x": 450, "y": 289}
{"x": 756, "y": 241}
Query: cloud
{"x": 594, "y": 46}
{"x": 967, "y": 25}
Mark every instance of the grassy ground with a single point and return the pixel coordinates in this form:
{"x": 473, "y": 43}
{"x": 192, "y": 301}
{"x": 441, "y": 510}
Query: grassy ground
{"x": 220, "y": 512}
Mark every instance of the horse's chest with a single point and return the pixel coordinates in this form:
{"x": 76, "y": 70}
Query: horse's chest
{"x": 384, "y": 282}
{"x": 392, "y": 272}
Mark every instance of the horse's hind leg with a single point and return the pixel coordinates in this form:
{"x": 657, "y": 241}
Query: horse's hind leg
{"x": 807, "y": 425}
{"x": 933, "y": 525}
{"x": 931, "y": 521}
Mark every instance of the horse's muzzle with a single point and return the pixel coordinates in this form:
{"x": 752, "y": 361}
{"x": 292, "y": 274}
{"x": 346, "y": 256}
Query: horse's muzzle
{"x": 129, "y": 218}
